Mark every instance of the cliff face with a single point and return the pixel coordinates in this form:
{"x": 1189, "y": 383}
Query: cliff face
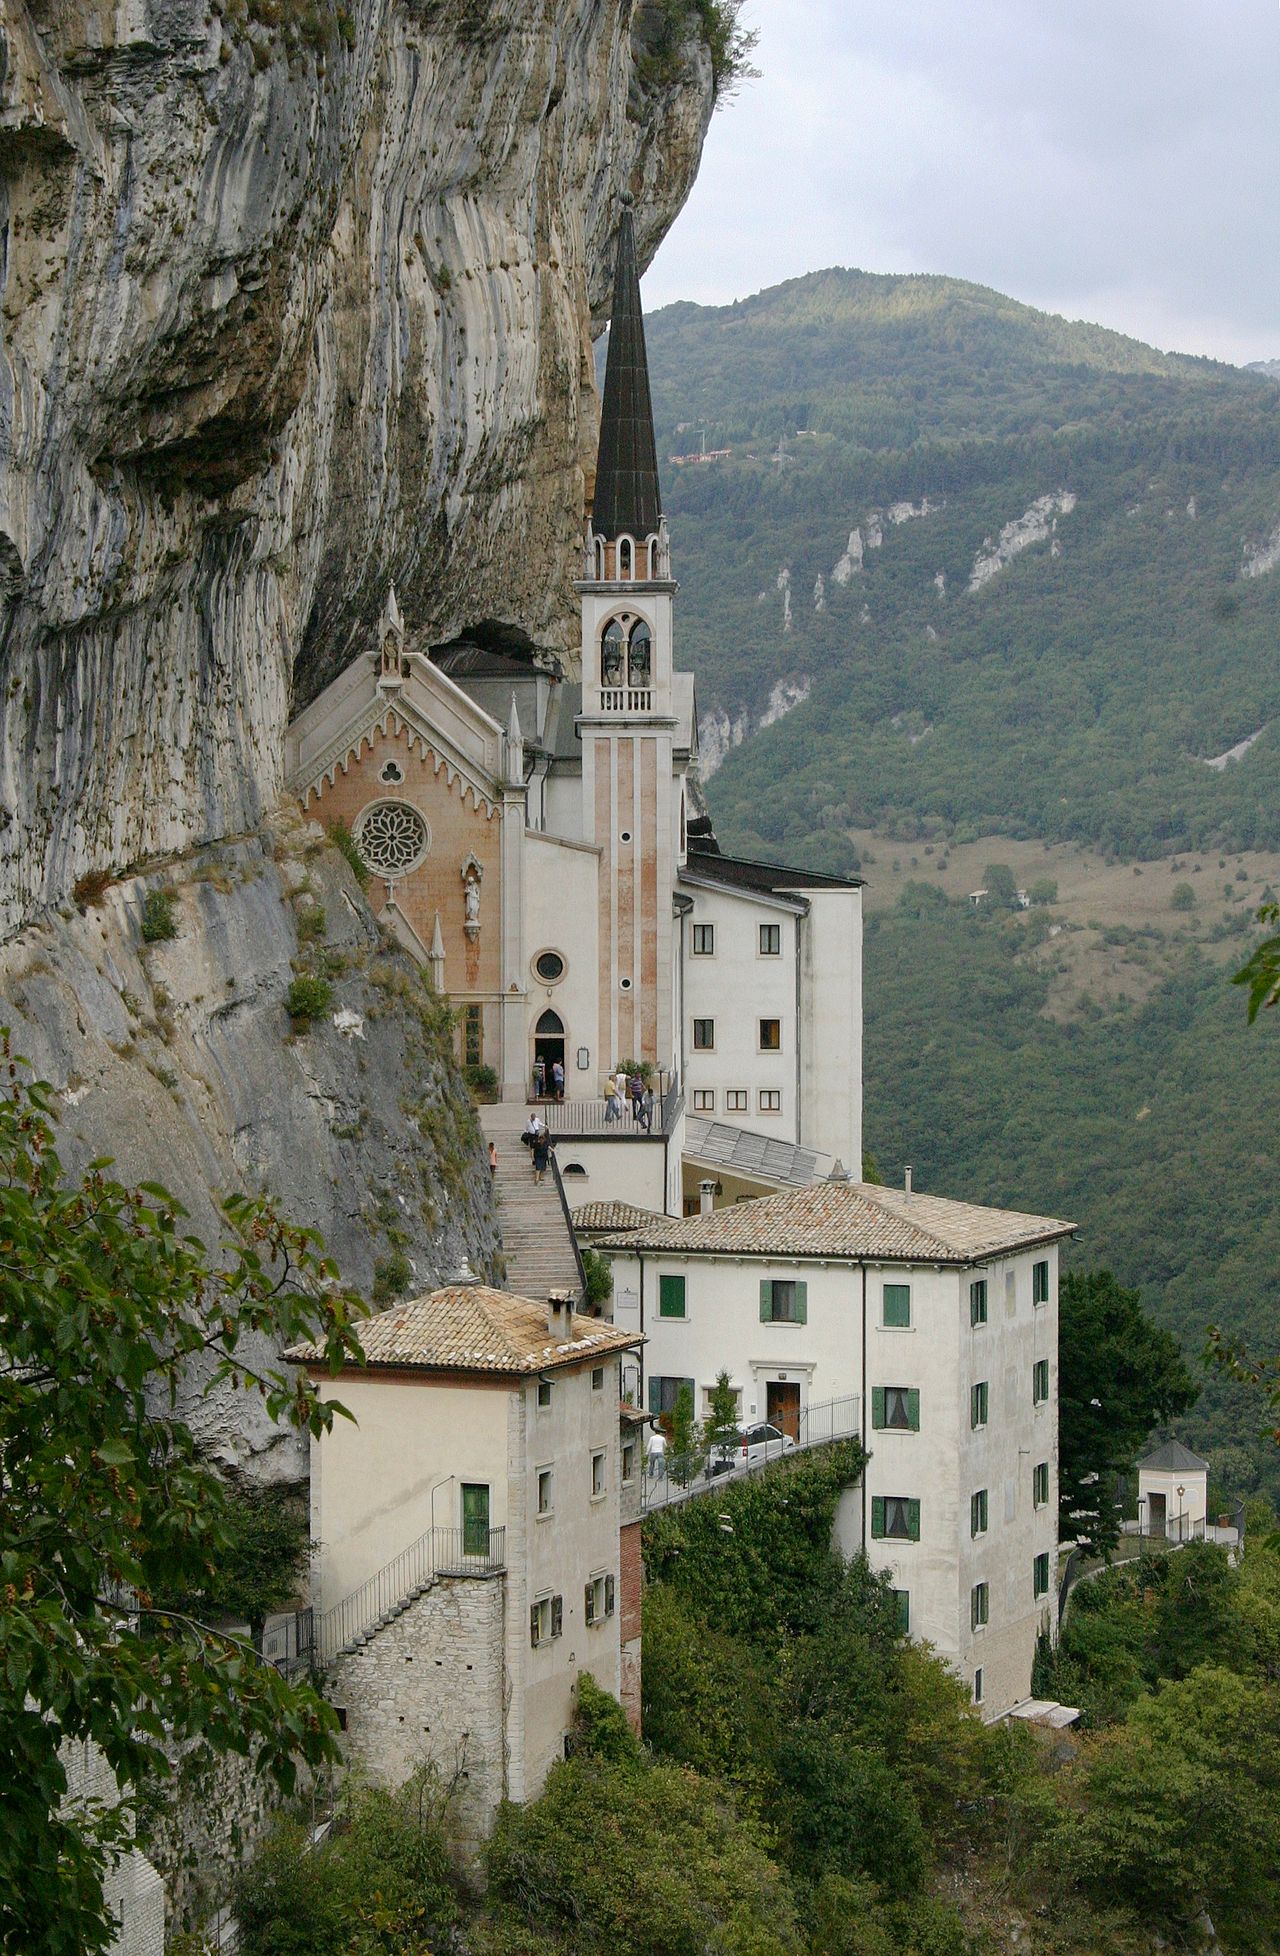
{"x": 297, "y": 299}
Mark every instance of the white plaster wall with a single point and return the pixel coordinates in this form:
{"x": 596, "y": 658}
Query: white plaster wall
{"x": 736, "y": 987}
{"x": 831, "y": 1042}
{"x": 132, "y": 1888}
{"x": 618, "y": 1171}
{"x": 371, "y": 1482}
{"x": 560, "y": 902}
{"x": 1192, "y": 1503}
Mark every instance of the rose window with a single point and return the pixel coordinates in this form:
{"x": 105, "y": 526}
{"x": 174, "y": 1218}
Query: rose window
{"x": 392, "y": 838}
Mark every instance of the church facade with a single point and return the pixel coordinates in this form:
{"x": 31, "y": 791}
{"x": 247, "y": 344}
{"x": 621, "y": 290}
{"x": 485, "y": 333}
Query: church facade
{"x": 535, "y": 841}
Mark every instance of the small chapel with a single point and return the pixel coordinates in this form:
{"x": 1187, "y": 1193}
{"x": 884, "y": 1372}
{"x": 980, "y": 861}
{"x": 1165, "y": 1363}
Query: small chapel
{"x": 536, "y": 841}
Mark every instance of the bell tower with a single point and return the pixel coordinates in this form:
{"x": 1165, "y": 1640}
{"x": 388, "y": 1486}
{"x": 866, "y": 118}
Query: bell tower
{"x": 631, "y": 797}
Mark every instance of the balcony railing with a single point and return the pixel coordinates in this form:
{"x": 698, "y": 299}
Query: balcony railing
{"x": 626, "y": 699}
{"x": 682, "y": 1477}
{"x": 468, "y": 1551}
{"x": 591, "y": 1117}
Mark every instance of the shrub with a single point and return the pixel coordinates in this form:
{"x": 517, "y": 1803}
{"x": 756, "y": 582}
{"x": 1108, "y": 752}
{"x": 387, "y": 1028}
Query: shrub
{"x": 159, "y": 916}
{"x": 343, "y": 840}
{"x": 599, "y": 1275}
{"x": 90, "y": 888}
{"x": 1043, "y": 890}
{"x": 482, "y": 1080}
{"x": 392, "y": 1276}
{"x": 310, "y": 923}
{"x": 308, "y": 999}
{"x": 1184, "y": 897}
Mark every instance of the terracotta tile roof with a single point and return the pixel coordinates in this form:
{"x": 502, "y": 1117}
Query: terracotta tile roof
{"x": 471, "y": 1328}
{"x": 613, "y": 1215}
{"x": 850, "y": 1219}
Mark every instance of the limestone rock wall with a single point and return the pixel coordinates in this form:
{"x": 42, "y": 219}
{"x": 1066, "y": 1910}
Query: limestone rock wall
{"x": 180, "y": 1060}
{"x": 297, "y": 298}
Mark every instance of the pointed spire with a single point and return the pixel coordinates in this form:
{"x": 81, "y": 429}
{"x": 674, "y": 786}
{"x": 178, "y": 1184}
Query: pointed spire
{"x": 435, "y": 956}
{"x": 627, "y": 497}
{"x": 515, "y": 747}
{"x": 513, "y": 721}
{"x": 391, "y": 618}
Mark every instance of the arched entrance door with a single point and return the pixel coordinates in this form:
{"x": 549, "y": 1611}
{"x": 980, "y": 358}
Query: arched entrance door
{"x": 548, "y": 1047}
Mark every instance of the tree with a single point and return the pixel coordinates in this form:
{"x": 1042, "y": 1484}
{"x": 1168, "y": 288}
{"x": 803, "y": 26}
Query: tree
{"x": 267, "y": 1547}
{"x": 684, "y": 1433}
{"x": 106, "y": 1309}
{"x": 1043, "y": 890}
{"x": 1119, "y": 1375}
{"x": 1001, "y": 885}
{"x": 1183, "y": 898}
{"x": 721, "y": 1429}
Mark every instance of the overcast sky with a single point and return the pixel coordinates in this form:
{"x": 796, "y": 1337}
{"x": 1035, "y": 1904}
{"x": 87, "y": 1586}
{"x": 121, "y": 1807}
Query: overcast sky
{"x": 1114, "y": 160}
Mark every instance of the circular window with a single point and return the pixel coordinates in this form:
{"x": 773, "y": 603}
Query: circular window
{"x": 625, "y": 836}
{"x": 625, "y": 984}
{"x": 392, "y": 838}
{"x": 392, "y": 773}
{"x": 549, "y": 966}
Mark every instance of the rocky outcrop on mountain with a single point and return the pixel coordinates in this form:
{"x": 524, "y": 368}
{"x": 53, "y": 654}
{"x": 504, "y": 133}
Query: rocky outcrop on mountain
{"x": 298, "y": 298}
{"x": 181, "y": 1059}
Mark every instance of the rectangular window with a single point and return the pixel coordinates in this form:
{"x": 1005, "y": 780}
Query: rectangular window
{"x": 544, "y": 1491}
{"x": 704, "y": 940}
{"x": 783, "y": 1301}
{"x": 704, "y": 1035}
{"x": 1040, "y": 1577}
{"x": 597, "y": 1378}
{"x": 771, "y": 1035}
{"x": 544, "y": 1392}
{"x": 1040, "y": 1382}
{"x": 663, "y": 1392}
{"x": 671, "y": 1301}
{"x": 598, "y": 1599}
{"x": 1040, "y": 1283}
{"x": 1040, "y": 1484}
{"x": 902, "y": 1603}
{"x": 628, "y": 1462}
{"x": 704, "y": 1100}
{"x": 977, "y": 1686}
{"x": 979, "y": 1605}
{"x": 473, "y": 1035}
{"x": 771, "y": 940}
{"x": 770, "y": 1101}
{"x": 978, "y": 1512}
{"x": 978, "y": 1301}
{"x": 978, "y": 1396}
{"x": 895, "y": 1409}
{"x": 735, "y": 1100}
{"x": 895, "y": 1518}
{"x": 597, "y": 1475}
{"x": 896, "y": 1311}
{"x": 546, "y": 1620}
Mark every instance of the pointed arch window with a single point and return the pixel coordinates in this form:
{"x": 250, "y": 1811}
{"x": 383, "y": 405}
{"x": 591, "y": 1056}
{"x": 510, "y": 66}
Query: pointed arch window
{"x": 626, "y": 559}
{"x": 612, "y": 648}
{"x": 639, "y": 655}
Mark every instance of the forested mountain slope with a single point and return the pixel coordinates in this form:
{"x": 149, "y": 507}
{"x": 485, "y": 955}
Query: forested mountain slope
{"x": 1021, "y": 574}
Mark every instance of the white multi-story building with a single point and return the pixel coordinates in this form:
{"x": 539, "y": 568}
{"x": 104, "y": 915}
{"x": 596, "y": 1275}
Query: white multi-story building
{"x": 466, "y": 1537}
{"x": 941, "y": 1318}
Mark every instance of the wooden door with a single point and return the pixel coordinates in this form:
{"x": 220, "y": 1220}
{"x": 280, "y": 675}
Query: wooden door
{"x": 782, "y": 1406}
{"x": 475, "y": 1519}
{"x": 1156, "y": 1514}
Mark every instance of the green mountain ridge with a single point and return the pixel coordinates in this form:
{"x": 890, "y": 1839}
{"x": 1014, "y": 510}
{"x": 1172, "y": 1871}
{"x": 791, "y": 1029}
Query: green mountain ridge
{"x": 1076, "y": 691}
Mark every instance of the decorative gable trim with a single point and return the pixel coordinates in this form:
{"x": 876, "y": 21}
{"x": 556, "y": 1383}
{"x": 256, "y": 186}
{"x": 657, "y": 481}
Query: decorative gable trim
{"x": 390, "y": 722}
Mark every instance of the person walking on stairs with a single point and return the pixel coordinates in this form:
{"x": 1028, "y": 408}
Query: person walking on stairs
{"x": 542, "y": 1147}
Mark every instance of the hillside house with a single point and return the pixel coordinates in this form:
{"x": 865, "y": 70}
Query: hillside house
{"x": 942, "y": 1319}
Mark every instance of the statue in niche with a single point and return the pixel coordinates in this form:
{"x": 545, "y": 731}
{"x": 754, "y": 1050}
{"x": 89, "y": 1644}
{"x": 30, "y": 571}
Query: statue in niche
{"x": 472, "y": 875}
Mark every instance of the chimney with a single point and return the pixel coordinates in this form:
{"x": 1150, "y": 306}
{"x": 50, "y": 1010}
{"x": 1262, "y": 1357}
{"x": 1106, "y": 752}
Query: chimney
{"x": 560, "y": 1308}
{"x": 906, "y": 1181}
{"x": 706, "y": 1197}
{"x": 464, "y": 1274}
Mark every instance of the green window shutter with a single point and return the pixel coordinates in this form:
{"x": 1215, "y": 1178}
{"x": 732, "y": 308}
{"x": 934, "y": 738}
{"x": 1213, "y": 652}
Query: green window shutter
{"x": 557, "y": 1615}
{"x": 655, "y": 1393}
{"x": 877, "y": 1407}
{"x": 897, "y": 1306}
{"x": 608, "y": 1595}
{"x": 877, "y": 1517}
{"x": 766, "y": 1301}
{"x": 802, "y": 1303}
{"x": 913, "y": 1409}
{"x": 913, "y": 1521}
{"x": 671, "y": 1303}
{"x": 589, "y": 1601}
{"x": 534, "y": 1615}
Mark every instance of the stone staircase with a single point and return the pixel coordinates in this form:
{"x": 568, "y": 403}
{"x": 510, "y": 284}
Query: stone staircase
{"x": 539, "y": 1245}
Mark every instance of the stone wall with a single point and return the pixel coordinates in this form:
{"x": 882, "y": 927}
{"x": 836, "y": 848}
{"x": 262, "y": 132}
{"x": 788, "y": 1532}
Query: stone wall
{"x": 630, "y": 1606}
{"x": 430, "y": 1689}
{"x": 134, "y": 1891}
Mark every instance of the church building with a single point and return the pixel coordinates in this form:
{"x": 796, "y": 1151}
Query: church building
{"x": 533, "y": 837}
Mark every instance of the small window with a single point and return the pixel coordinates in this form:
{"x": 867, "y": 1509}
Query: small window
{"x": 597, "y": 1475}
{"x": 896, "y": 1313}
{"x": 895, "y": 1409}
{"x": 544, "y": 1491}
{"x": 902, "y": 1604}
{"x": 628, "y": 1462}
{"x": 671, "y": 1297}
{"x": 1040, "y": 1283}
{"x": 770, "y": 1100}
{"x": 1040, "y": 1577}
{"x": 783, "y": 1301}
{"x": 473, "y": 1036}
{"x": 597, "y": 1378}
{"x": 704, "y": 1035}
{"x": 1040, "y": 1382}
{"x": 978, "y": 1302}
{"x": 549, "y": 966}
{"x": 979, "y": 1606}
{"x": 704, "y": 940}
{"x": 977, "y": 1686}
{"x": 663, "y": 1393}
{"x": 978, "y": 1400}
{"x": 598, "y": 1599}
{"x": 771, "y": 940}
{"x": 704, "y": 1100}
{"x": 392, "y": 774}
{"x": 1040, "y": 1484}
{"x": 735, "y": 1100}
{"x": 771, "y": 1035}
{"x": 544, "y": 1392}
{"x": 978, "y": 1512}
{"x": 546, "y": 1620}
{"x": 895, "y": 1518}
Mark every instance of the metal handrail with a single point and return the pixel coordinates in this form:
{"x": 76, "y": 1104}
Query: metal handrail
{"x": 440, "y": 1552}
{"x": 685, "y": 1476}
{"x": 568, "y": 1223}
